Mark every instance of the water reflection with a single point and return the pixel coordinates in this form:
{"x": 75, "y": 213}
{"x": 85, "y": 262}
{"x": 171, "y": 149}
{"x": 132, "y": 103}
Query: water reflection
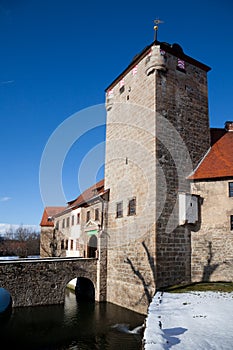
{"x": 74, "y": 325}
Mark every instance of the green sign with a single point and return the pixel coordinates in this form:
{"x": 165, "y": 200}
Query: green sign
{"x": 92, "y": 232}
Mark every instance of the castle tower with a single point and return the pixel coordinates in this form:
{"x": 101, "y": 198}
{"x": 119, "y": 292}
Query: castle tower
{"x": 157, "y": 132}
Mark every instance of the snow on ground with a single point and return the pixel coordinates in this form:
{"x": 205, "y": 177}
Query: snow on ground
{"x": 190, "y": 321}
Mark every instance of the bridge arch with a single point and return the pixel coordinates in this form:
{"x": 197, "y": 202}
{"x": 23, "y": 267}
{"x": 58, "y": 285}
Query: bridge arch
{"x": 85, "y": 289}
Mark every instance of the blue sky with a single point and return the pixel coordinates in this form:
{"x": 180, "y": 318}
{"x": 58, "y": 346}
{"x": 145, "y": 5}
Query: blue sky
{"x": 57, "y": 58}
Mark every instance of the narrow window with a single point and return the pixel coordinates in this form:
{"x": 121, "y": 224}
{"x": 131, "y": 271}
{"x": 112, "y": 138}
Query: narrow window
{"x": 72, "y": 220}
{"x": 231, "y": 223}
{"x": 132, "y": 206}
{"x": 230, "y": 189}
{"x": 63, "y": 223}
{"x": 62, "y": 244}
{"x": 122, "y": 89}
{"x": 71, "y": 244}
{"x": 77, "y": 244}
{"x": 119, "y": 210}
{"x": 88, "y": 216}
{"x": 66, "y": 244}
{"x": 97, "y": 215}
{"x": 67, "y": 222}
{"x": 78, "y": 218}
{"x": 57, "y": 225}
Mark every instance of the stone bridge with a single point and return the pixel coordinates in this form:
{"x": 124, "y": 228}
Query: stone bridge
{"x": 43, "y": 281}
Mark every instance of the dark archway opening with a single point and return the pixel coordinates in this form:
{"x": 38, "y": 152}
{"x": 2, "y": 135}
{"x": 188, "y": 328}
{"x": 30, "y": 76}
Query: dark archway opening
{"x": 92, "y": 247}
{"x": 84, "y": 289}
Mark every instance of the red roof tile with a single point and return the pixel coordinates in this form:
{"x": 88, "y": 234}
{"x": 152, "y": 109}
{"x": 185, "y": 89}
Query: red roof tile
{"x": 88, "y": 194}
{"x": 50, "y": 212}
{"x": 218, "y": 162}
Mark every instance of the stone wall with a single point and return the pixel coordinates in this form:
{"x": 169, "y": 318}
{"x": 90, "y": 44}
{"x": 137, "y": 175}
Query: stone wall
{"x": 43, "y": 282}
{"x": 212, "y": 243}
{"x": 46, "y": 237}
{"x": 157, "y": 132}
{"x": 130, "y": 173}
{"x": 182, "y": 130}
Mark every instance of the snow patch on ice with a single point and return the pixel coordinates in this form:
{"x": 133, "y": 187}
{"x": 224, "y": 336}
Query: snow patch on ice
{"x": 194, "y": 320}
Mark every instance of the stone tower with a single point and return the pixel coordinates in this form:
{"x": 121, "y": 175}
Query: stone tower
{"x": 157, "y": 132}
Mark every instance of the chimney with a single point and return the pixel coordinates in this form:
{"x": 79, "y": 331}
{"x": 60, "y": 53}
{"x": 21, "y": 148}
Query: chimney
{"x": 229, "y": 126}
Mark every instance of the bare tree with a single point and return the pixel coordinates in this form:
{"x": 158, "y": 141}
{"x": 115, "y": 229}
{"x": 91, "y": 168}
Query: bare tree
{"x": 22, "y": 241}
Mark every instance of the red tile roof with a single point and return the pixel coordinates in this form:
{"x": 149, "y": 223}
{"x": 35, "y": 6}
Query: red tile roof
{"x": 218, "y": 162}
{"x": 50, "y": 212}
{"x": 82, "y": 199}
{"x": 88, "y": 194}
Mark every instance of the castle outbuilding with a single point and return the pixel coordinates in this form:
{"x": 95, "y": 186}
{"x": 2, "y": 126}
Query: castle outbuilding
{"x": 212, "y": 181}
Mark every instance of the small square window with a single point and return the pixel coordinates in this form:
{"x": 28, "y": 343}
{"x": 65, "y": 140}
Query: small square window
{"x": 132, "y": 207}
{"x": 230, "y": 184}
{"x": 231, "y": 222}
{"x": 119, "y": 210}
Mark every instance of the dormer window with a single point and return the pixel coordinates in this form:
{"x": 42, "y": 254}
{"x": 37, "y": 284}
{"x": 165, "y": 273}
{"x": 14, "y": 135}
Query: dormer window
{"x": 95, "y": 191}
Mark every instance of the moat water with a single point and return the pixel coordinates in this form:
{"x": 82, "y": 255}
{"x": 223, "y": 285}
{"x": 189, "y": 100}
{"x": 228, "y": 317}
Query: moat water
{"x": 74, "y": 326}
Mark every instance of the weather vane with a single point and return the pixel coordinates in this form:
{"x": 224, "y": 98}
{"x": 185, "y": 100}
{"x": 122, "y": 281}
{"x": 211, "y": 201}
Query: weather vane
{"x": 156, "y": 22}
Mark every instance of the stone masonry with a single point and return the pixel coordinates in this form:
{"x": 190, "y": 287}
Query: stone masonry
{"x": 212, "y": 244}
{"x": 157, "y": 123}
{"x": 181, "y": 100}
{"x": 43, "y": 281}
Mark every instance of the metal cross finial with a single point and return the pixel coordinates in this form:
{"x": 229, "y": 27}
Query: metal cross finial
{"x": 156, "y": 22}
